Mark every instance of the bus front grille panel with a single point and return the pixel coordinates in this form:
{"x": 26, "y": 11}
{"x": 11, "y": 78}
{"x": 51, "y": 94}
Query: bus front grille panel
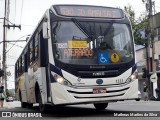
{"x": 90, "y": 94}
{"x": 108, "y": 91}
{"x": 100, "y": 96}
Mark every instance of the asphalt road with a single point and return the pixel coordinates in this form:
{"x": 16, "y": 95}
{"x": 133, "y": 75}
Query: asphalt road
{"x": 127, "y": 110}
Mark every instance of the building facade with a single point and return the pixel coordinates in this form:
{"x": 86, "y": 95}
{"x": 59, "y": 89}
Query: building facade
{"x": 141, "y": 56}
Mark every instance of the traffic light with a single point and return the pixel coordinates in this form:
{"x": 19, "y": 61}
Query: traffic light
{"x": 1, "y": 73}
{"x": 145, "y": 72}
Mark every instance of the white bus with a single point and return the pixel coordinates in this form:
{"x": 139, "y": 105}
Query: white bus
{"x": 78, "y": 54}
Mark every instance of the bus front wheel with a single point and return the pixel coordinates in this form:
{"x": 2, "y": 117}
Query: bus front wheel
{"x": 100, "y": 106}
{"x": 42, "y": 107}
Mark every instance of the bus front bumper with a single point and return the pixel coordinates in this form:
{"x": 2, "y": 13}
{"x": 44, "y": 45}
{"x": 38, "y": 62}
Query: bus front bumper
{"x": 71, "y": 95}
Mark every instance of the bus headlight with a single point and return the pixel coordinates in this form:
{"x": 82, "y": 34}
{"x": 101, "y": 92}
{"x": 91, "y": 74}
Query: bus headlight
{"x": 132, "y": 77}
{"x": 60, "y": 79}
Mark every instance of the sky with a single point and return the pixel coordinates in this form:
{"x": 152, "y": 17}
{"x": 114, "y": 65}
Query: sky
{"x": 29, "y": 12}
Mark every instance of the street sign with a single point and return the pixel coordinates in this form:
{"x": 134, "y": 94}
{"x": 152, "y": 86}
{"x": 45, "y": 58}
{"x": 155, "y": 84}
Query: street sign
{"x": 154, "y": 77}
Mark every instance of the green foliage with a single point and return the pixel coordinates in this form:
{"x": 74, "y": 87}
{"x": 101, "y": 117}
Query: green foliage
{"x": 138, "y": 24}
{"x": 9, "y": 93}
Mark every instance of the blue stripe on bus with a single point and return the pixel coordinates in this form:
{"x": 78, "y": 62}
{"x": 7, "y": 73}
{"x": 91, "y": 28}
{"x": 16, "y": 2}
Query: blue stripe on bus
{"x": 52, "y": 79}
{"x": 55, "y": 70}
{"x": 134, "y": 68}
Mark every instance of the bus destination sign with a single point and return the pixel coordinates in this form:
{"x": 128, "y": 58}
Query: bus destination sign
{"x": 89, "y": 11}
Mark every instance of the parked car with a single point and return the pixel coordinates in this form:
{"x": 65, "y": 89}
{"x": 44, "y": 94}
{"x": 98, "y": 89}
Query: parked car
{"x": 9, "y": 99}
{"x": 14, "y": 99}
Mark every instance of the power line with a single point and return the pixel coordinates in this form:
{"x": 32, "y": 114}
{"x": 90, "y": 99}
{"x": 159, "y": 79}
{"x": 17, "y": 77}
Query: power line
{"x": 15, "y": 43}
{"x": 12, "y": 57}
{"x": 10, "y": 65}
{"x": 28, "y": 25}
{"x": 9, "y": 21}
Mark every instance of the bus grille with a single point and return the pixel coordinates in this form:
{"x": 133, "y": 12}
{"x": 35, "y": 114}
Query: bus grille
{"x": 79, "y": 95}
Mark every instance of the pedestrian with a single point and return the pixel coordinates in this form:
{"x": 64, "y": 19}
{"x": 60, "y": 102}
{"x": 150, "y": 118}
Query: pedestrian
{"x": 2, "y": 96}
{"x": 145, "y": 90}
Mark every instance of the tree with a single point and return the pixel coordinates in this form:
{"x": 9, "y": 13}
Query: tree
{"x": 138, "y": 25}
{"x": 9, "y": 92}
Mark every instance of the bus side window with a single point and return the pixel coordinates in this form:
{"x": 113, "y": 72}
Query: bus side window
{"x": 26, "y": 62}
{"x": 28, "y": 56}
{"x": 36, "y": 46}
{"x": 31, "y": 52}
{"x": 23, "y": 63}
{"x": 43, "y": 48}
{"x": 20, "y": 65}
{"x": 16, "y": 70}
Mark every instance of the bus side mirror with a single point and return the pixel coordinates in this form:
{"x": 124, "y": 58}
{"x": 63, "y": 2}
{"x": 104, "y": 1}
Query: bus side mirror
{"x": 45, "y": 31}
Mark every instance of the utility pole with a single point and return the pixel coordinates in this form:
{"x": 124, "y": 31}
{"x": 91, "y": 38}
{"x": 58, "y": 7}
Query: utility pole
{"x": 4, "y": 78}
{"x": 153, "y": 69}
{"x": 149, "y": 7}
{"x": 6, "y": 18}
{"x": 153, "y": 47}
{"x": 150, "y": 39}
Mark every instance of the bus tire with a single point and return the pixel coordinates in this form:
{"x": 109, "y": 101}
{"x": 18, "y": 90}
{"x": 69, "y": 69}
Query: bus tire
{"x": 23, "y": 104}
{"x": 138, "y": 99}
{"x": 42, "y": 107}
{"x": 100, "y": 106}
{"x": 30, "y": 105}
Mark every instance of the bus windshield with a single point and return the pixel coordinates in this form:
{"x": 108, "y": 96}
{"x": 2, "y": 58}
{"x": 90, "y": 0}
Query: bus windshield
{"x": 92, "y": 43}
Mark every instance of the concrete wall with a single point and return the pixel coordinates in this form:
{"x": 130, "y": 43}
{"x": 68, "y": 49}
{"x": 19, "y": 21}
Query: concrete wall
{"x": 140, "y": 55}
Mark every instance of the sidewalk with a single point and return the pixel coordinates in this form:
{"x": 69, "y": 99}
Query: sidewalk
{"x": 141, "y": 101}
{"x": 7, "y": 104}
{"x": 13, "y": 104}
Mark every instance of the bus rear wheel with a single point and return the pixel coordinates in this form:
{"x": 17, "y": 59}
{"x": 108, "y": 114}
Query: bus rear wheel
{"x": 100, "y": 106}
{"x": 23, "y": 104}
{"x": 30, "y": 105}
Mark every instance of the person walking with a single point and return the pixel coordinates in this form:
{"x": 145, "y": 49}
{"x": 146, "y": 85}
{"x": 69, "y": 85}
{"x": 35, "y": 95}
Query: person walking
{"x": 2, "y": 96}
{"x": 145, "y": 90}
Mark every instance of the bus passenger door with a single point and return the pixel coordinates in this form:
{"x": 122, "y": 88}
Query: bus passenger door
{"x": 44, "y": 62}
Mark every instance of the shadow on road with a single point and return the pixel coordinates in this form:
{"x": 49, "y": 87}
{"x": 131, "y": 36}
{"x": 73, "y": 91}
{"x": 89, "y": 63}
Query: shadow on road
{"x": 74, "y": 111}
{"x": 77, "y": 111}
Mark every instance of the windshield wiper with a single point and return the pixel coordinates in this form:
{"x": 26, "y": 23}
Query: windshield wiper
{"x": 82, "y": 28}
{"x": 108, "y": 29}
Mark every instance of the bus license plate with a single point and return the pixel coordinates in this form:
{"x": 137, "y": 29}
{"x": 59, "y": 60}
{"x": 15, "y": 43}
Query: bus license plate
{"x": 99, "y": 90}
